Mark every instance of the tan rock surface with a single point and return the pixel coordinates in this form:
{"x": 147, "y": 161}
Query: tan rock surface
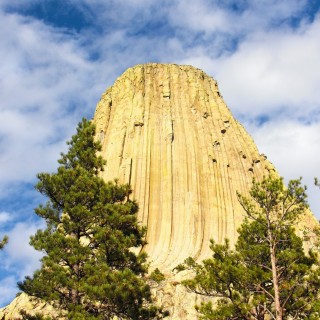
{"x": 24, "y": 303}
{"x": 166, "y": 130}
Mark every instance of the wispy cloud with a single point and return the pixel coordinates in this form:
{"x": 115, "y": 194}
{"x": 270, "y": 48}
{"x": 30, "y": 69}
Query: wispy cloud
{"x": 43, "y": 72}
{"x": 273, "y": 70}
{"x": 294, "y": 149}
{"x": 8, "y": 287}
{"x": 18, "y": 258}
{"x": 5, "y": 217}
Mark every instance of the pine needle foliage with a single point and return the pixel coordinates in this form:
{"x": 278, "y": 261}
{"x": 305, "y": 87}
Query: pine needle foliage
{"x": 267, "y": 275}
{"x": 89, "y": 269}
{"x": 3, "y": 242}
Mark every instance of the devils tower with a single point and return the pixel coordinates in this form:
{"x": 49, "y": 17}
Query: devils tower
{"x": 166, "y": 131}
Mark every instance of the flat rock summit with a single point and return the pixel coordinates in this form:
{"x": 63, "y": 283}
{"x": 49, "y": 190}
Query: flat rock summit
{"x": 166, "y": 131}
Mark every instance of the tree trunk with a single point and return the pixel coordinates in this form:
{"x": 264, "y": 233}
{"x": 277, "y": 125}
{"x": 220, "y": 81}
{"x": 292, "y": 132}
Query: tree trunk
{"x": 277, "y": 304}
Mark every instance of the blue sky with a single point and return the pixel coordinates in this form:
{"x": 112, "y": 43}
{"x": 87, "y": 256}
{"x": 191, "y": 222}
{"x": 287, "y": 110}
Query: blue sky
{"x": 57, "y": 58}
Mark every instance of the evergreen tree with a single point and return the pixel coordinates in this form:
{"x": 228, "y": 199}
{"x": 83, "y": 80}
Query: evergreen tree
{"x": 267, "y": 275}
{"x": 3, "y": 242}
{"x": 89, "y": 270}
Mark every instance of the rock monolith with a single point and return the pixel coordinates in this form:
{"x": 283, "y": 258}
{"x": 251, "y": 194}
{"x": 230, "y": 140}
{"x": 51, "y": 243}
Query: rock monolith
{"x": 166, "y": 131}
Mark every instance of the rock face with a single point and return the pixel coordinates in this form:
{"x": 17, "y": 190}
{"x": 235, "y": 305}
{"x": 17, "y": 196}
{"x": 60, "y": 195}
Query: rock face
{"x": 24, "y": 302}
{"x": 166, "y": 131}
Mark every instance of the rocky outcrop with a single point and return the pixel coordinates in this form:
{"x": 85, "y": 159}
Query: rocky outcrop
{"x": 166, "y": 131}
{"x": 24, "y": 303}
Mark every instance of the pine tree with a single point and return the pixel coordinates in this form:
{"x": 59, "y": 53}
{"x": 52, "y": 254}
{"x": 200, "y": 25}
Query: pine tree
{"x": 3, "y": 242}
{"x": 89, "y": 269}
{"x": 267, "y": 275}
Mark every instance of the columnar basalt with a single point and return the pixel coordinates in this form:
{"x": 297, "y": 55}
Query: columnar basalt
{"x": 166, "y": 130}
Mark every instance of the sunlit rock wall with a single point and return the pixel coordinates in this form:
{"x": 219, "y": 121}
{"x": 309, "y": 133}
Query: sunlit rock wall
{"x": 166, "y": 131}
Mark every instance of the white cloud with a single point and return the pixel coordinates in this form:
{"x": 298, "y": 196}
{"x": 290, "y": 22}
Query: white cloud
{"x": 294, "y": 149}
{"x": 19, "y": 259}
{"x": 45, "y": 90}
{"x": 200, "y": 16}
{"x": 8, "y": 289}
{"x": 19, "y": 252}
{"x": 269, "y": 71}
{"x": 209, "y": 17}
{"x": 273, "y": 70}
{"x": 5, "y": 217}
